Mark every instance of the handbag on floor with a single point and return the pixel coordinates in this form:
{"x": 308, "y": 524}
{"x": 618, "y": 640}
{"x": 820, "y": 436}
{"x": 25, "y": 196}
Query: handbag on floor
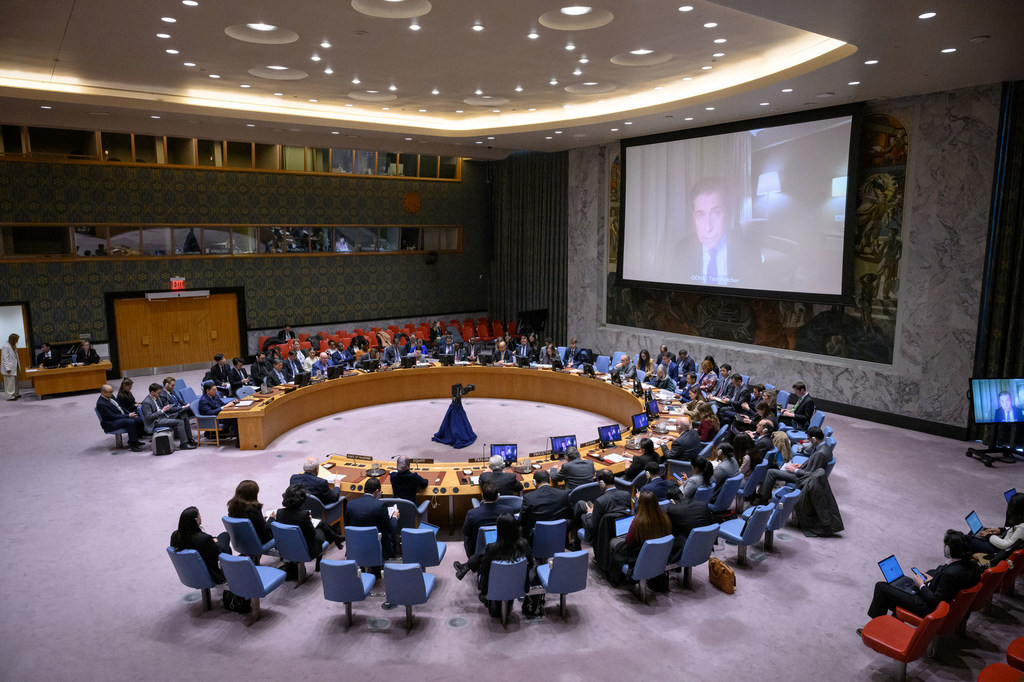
{"x": 721, "y": 575}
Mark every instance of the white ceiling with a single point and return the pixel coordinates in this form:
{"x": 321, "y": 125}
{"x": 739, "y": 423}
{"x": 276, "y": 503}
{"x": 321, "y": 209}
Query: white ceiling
{"x": 99, "y": 64}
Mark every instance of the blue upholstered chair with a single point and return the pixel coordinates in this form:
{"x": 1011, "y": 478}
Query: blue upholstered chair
{"x": 601, "y": 364}
{"x": 244, "y": 539}
{"x": 566, "y": 574}
{"x": 703, "y": 494}
{"x": 616, "y": 356}
{"x": 726, "y": 494}
{"x": 420, "y": 546}
{"x": 699, "y": 545}
{"x": 506, "y": 582}
{"x": 588, "y": 492}
{"x": 329, "y": 513}
{"x": 652, "y": 562}
{"x": 409, "y": 513}
{"x": 192, "y": 572}
{"x": 749, "y": 487}
{"x": 480, "y": 541}
{"x": 549, "y": 538}
{"x": 116, "y": 433}
{"x": 205, "y": 423}
{"x": 250, "y": 581}
{"x": 362, "y": 545}
{"x": 292, "y": 547}
{"x": 745, "y": 532}
{"x": 513, "y": 502}
{"x": 342, "y": 582}
{"x": 244, "y": 392}
{"x": 408, "y": 586}
{"x": 779, "y": 518}
{"x": 641, "y": 375}
{"x": 782, "y": 398}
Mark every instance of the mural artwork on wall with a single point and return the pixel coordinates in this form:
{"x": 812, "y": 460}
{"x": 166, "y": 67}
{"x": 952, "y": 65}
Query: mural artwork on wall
{"x": 865, "y": 331}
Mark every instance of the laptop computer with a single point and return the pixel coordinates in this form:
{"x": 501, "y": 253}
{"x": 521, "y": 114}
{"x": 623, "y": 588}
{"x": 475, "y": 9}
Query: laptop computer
{"x": 890, "y": 568}
{"x": 426, "y": 526}
{"x": 490, "y": 536}
{"x": 1009, "y": 493}
{"x": 622, "y": 526}
{"x": 974, "y": 523}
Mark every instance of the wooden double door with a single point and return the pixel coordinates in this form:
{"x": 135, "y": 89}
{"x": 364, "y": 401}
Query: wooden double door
{"x": 175, "y": 331}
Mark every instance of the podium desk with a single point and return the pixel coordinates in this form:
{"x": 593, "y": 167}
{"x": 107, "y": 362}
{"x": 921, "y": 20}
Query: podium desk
{"x": 68, "y": 379}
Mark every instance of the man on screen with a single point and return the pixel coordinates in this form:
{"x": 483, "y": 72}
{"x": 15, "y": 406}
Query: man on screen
{"x": 720, "y": 257}
{"x": 1006, "y": 412}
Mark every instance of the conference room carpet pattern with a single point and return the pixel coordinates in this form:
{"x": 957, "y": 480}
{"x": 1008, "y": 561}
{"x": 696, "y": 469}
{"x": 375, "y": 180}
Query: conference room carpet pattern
{"x": 89, "y": 594}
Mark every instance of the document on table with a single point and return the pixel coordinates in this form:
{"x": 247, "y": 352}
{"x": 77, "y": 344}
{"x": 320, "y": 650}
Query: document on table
{"x": 614, "y": 459}
{"x": 244, "y": 403}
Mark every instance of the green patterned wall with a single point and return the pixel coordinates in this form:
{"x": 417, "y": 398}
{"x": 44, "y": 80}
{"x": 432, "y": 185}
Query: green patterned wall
{"x": 66, "y": 296}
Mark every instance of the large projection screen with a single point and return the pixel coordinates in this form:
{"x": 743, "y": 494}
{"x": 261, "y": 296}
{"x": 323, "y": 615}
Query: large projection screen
{"x": 760, "y": 208}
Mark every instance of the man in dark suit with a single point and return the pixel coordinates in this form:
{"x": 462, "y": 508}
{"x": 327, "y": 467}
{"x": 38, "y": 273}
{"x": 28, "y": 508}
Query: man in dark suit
{"x": 542, "y": 504}
{"x": 47, "y": 357}
{"x": 721, "y": 256}
{"x": 286, "y": 334}
{"x": 85, "y": 355}
{"x": 687, "y": 445}
{"x": 502, "y": 355}
{"x": 659, "y": 484}
{"x": 210, "y": 405}
{"x": 112, "y": 418}
{"x": 763, "y": 440}
{"x": 571, "y": 356}
{"x": 733, "y": 401}
{"x": 179, "y": 408}
{"x": 800, "y": 416}
{"x": 238, "y": 376}
{"x": 687, "y": 514}
{"x": 575, "y": 472}
{"x": 523, "y": 350}
{"x": 484, "y": 515}
{"x": 156, "y": 415}
{"x": 393, "y": 353}
{"x": 314, "y": 485}
{"x": 821, "y": 455}
{"x": 406, "y": 483}
{"x": 220, "y": 372}
{"x": 686, "y": 363}
{"x": 505, "y": 482}
{"x": 1006, "y": 412}
{"x": 447, "y": 346}
{"x": 371, "y": 511}
{"x": 259, "y": 369}
{"x": 588, "y": 514}
{"x": 276, "y": 376}
{"x": 321, "y": 365}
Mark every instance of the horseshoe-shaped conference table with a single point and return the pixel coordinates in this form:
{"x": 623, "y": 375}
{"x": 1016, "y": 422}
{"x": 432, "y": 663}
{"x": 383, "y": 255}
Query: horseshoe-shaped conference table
{"x": 271, "y": 415}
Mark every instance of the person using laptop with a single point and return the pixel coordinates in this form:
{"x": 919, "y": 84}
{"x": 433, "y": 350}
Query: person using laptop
{"x": 939, "y": 584}
{"x": 996, "y": 541}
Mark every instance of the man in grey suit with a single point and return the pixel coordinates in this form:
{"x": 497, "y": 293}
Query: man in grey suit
{"x": 627, "y": 370}
{"x": 575, "y": 472}
{"x": 154, "y": 414}
{"x": 791, "y": 473}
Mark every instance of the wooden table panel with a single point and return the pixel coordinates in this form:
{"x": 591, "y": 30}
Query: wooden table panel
{"x": 68, "y": 379}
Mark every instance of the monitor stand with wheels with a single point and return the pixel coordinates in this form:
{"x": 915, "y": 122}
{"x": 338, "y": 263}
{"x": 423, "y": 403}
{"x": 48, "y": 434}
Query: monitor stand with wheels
{"x": 1008, "y": 456}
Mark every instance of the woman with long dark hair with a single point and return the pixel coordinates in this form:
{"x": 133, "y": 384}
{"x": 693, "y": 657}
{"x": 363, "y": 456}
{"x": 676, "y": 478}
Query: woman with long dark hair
{"x": 246, "y": 505}
{"x": 125, "y": 398}
{"x": 649, "y": 523}
{"x": 644, "y": 362}
{"x": 703, "y": 472}
{"x": 190, "y": 535}
{"x": 746, "y": 453}
{"x": 997, "y": 543}
{"x": 508, "y": 546}
{"x": 293, "y": 512}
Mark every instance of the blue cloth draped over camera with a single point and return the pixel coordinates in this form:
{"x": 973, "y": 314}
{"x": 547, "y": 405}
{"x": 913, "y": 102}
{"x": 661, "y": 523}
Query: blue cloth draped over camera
{"x": 455, "y": 428}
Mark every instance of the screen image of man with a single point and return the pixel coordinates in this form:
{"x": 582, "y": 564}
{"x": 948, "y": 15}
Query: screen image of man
{"x": 719, "y": 255}
{"x": 1006, "y": 412}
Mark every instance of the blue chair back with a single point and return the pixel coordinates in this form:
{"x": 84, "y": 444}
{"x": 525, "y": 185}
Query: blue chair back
{"x": 827, "y": 430}
{"x": 245, "y": 580}
{"x": 408, "y": 514}
{"x": 191, "y": 569}
{"x": 506, "y": 580}
{"x": 179, "y": 384}
{"x": 406, "y": 584}
{"x": 782, "y": 399}
{"x": 774, "y": 454}
{"x": 746, "y": 378}
{"x": 202, "y": 421}
{"x": 291, "y": 544}
{"x": 755, "y": 479}
{"x": 480, "y": 542}
{"x": 549, "y": 538}
{"x": 602, "y": 364}
{"x": 568, "y": 572}
{"x": 187, "y": 395}
{"x": 588, "y": 492}
{"x": 831, "y": 442}
{"x": 616, "y": 356}
{"x": 830, "y": 466}
{"x": 756, "y": 524}
{"x": 514, "y": 502}
{"x": 624, "y": 485}
{"x": 420, "y": 546}
{"x": 817, "y": 419}
{"x": 653, "y": 558}
{"x": 363, "y": 546}
{"x": 641, "y": 375}
{"x": 726, "y": 493}
{"x": 703, "y": 494}
{"x": 699, "y": 546}
{"x": 782, "y": 511}
{"x": 245, "y": 391}
{"x": 330, "y": 513}
{"x": 112, "y": 431}
{"x": 244, "y": 539}
{"x": 342, "y": 582}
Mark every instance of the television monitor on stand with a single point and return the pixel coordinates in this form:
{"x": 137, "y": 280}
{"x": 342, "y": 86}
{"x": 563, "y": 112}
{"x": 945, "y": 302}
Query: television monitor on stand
{"x": 640, "y": 423}
{"x": 560, "y": 443}
{"x": 1000, "y": 403}
{"x": 507, "y": 452}
{"x": 608, "y": 435}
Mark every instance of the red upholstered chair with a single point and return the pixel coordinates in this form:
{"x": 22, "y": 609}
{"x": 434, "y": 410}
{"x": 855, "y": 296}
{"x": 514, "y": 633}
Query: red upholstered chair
{"x": 1000, "y": 672}
{"x": 901, "y": 641}
{"x": 959, "y": 610}
{"x": 303, "y": 336}
{"x": 1015, "y": 653}
{"x": 375, "y": 329}
{"x": 482, "y": 322}
{"x": 358, "y": 332}
{"x": 991, "y": 579}
{"x": 498, "y": 329}
{"x": 260, "y": 341}
{"x": 393, "y": 328}
{"x": 1010, "y": 580}
{"x": 512, "y": 328}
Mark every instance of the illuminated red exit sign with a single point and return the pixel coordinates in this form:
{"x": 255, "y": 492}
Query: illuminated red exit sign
{"x": 177, "y": 283}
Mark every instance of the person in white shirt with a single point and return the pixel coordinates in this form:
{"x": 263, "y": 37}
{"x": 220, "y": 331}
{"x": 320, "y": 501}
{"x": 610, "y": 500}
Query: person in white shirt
{"x": 10, "y": 366}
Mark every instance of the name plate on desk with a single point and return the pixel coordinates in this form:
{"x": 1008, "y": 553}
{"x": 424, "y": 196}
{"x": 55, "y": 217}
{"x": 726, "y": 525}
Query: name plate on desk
{"x": 364, "y": 458}
{"x": 542, "y": 453}
{"x": 420, "y": 460}
{"x": 590, "y": 442}
{"x": 478, "y": 460}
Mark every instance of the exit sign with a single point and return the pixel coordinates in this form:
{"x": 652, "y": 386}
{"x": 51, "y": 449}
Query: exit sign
{"x": 177, "y": 283}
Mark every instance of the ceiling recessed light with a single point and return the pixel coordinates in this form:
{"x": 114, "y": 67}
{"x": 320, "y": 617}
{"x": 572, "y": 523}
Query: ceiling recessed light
{"x": 719, "y": 41}
{"x": 641, "y": 51}
{"x": 373, "y": 92}
{"x": 688, "y": 118}
{"x": 532, "y": 109}
{"x": 335, "y": 132}
{"x": 478, "y": 92}
{"x": 314, "y": 101}
{"x": 423, "y": 111}
{"x": 926, "y": 15}
{"x": 435, "y": 91}
{"x": 787, "y": 89}
{"x": 171, "y": 51}
{"x": 409, "y": 139}
{"x": 718, "y": 54}
{"x": 189, "y": 63}
{"x": 686, "y": 8}
{"x": 688, "y": 78}
{"x": 710, "y": 24}
{"x": 46, "y": 106}
{"x": 591, "y": 83}
{"x": 355, "y": 81}
{"x": 490, "y": 137}
{"x": 547, "y": 137}
{"x": 414, "y": 26}
{"x": 577, "y": 72}
{"x": 949, "y": 50}
{"x": 163, "y": 35}
{"x": 576, "y": 10}
{"x": 553, "y": 81}
{"x": 495, "y": 111}
{"x": 854, "y": 83}
{"x": 168, "y": 20}
{"x": 764, "y": 104}
{"x": 190, "y": 3}
{"x": 558, "y": 132}
{"x": 458, "y": 111}
{"x": 570, "y": 47}
{"x": 349, "y": 105}
{"x": 315, "y": 58}
{"x": 260, "y": 26}
{"x": 279, "y": 94}
{"x": 250, "y": 125}
{"x": 584, "y": 60}
{"x": 478, "y": 27}
{"x": 533, "y": 35}
{"x": 658, "y": 87}
{"x": 154, "y": 116}
{"x": 278, "y": 68}
{"x": 328, "y": 71}
{"x": 519, "y": 88}
{"x": 385, "y": 108}
{"x": 709, "y": 108}
{"x": 615, "y": 130}
{"x": 392, "y": 88}
{"x": 706, "y": 67}
{"x": 479, "y": 141}
{"x": 245, "y": 85}
{"x": 871, "y": 61}
{"x": 326, "y": 45}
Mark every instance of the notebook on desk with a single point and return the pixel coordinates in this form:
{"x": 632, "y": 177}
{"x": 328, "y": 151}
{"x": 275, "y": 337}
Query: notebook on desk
{"x": 890, "y": 568}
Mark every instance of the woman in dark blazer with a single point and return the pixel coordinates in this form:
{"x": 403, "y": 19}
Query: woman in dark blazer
{"x": 294, "y": 513}
{"x": 190, "y": 535}
{"x": 125, "y": 398}
{"x": 245, "y": 505}
{"x": 510, "y": 546}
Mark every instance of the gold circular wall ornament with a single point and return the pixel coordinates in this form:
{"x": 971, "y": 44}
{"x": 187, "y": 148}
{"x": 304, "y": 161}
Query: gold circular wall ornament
{"x": 411, "y": 202}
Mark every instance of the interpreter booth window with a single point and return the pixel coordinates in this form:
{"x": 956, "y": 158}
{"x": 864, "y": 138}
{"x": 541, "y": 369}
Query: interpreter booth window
{"x": 428, "y": 166}
{"x": 239, "y": 155}
{"x": 293, "y": 239}
{"x": 367, "y": 239}
{"x": 440, "y": 238}
{"x": 90, "y": 241}
{"x": 293, "y": 158}
{"x": 449, "y": 167}
{"x": 245, "y": 240}
{"x": 389, "y": 237}
{"x": 10, "y": 140}
{"x": 320, "y": 239}
{"x": 318, "y": 159}
{"x": 345, "y": 239}
{"x": 156, "y": 241}
{"x": 37, "y": 240}
{"x": 364, "y": 162}
{"x": 216, "y": 240}
{"x": 149, "y": 149}
{"x": 410, "y": 237}
{"x": 59, "y": 143}
{"x": 117, "y": 147}
{"x": 341, "y": 161}
{"x": 210, "y": 153}
{"x": 181, "y": 151}
{"x": 125, "y": 241}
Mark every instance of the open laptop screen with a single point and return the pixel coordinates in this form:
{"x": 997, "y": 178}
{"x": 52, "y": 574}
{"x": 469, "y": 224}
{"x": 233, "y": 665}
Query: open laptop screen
{"x": 890, "y": 568}
{"x": 974, "y": 523}
{"x": 622, "y": 526}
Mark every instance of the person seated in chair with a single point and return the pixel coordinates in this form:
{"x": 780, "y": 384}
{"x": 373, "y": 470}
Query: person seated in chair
{"x": 523, "y": 350}
{"x": 210, "y": 405}
{"x": 319, "y": 488}
{"x": 220, "y": 373}
{"x": 664, "y": 381}
{"x": 484, "y": 515}
{"x": 47, "y": 356}
{"x": 406, "y": 483}
{"x": 650, "y": 522}
{"x": 372, "y": 356}
{"x": 85, "y": 355}
{"x": 260, "y": 368}
{"x": 446, "y": 346}
{"x": 575, "y": 472}
{"x": 509, "y": 546}
{"x": 321, "y": 365}
{"x": 179, "y": 408}
{"x": 238, "y": 376}
{"x": 571, "y": 356}
{"x": 155, "y": 415}
{"x": 687, "y": 445}
{"x": 276, "y": 377}
{"x": 799, "y": 417}
{"x": 369, "y": 510}
{"x": 292, "y": 366}
{"x": 659, "y": 483}
{"x": 587, "y": 515}
{"x": 246, "y": 505}
{"x": 821, "y": 455}
{"x": 190, "y": 535}
{"x": 293, "y": 512}
{"x": 544, "y": 503}
{"x": 393, "y": 354}
{"x": 505, "y": 481}
{"x": 113, "y": 418}
{"x": 640, "y": 462}
{"x": 502, "y": 355}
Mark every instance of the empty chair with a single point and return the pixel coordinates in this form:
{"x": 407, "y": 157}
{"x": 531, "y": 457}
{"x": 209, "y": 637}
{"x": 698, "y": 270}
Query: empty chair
{"x": 749, "y": 487}
{"x": 407, "y": 585}
{"x": 566, "y": 574}
{"x": 506, "y": 582}
{"x": 549, "y": 538}
{"x": 192, "y": 572}
{"x": 291, "y": 545}
{"x": 244, "y": 392}
{"x": 745, "y": 532}
{"x": 700, "y": 543}
{"x": 1010, "y": 579}
{"x": 409, "y": 513}
{"x": 726, "y": 494}
{"x": 244, "y": 539}
{"x": 1000, "y": 672}
{"x": 779, "y": 518}
{"x": 343, "y": 582}
{"x": 651, "y": 563}
{"x": 420, "y": 546}
{"x": 587, "y": 492}
{"x": 900, "y": 641}
{"x": 991, "y": 580}
{"x": 601, "y": 364}
{"x": 513, "y": 502}
{"x": 250, "y": 581}
{"x": 362, "y": 545}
